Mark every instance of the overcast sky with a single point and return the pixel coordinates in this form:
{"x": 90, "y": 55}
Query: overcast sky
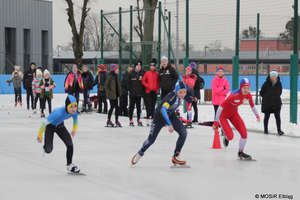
{"x": 210, "y": 20}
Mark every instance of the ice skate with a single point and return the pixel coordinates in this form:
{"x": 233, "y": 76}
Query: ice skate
{"x": 135, "y": 159}
{"x": 74, "y": 170}
{"x": 244, "y": 156}
{"x": 140, "y": 123}
{"x": 131, "y": 123}
{"x": 118, "y": 124}
{"x": 109, "y": 124}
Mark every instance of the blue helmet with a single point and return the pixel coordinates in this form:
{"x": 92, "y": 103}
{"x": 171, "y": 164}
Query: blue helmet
{"x": 179, "y": 85}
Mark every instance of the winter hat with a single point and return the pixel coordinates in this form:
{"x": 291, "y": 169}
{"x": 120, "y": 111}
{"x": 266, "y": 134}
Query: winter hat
{"x": 244, "y": 82}
{"x": 46, "y": 72}
{"x": 220, "y": 68}
{"x": 39, "y": 73}
{"x": 101, "y": 66}
{"x": 274, "y": 73}
{"x": 17, "y": 68}
{"x": 189, "y": 68}
{"x": 113, "y": 67}
{"x": 164, "y": 58}
{"x": 193, "y": 65}
{"x": 153, "y": 62}
{"x": 179, "y": 86}
{"x": 70, "y": 100}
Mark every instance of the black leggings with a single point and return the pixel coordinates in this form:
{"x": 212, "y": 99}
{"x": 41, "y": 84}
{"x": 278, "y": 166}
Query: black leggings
{"x": 29, "y": 97}
{"x": 48, "y": 99}
{"x": 63, "y": 134}
{"x": 102, "y": 99}
{"x": 36, "y": 99}
{"x": 135, "y": 100}
{"x": 18, "y": 95}
{"x": 216, "y": 107}
{"x": 113, "y": 106}
{"x": 195, "y": 107}
{"x": 278, "y": 121}
{"x": 150, "y": 101}
{"x": 157, "y": 124}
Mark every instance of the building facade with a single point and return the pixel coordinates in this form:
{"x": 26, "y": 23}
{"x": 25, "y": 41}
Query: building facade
{"x": 25, "y": 34}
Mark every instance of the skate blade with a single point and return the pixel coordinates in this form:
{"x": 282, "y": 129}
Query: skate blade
{"x": 179, "y": 166}
{"x": 246, "y": 160}
{"x": 76, "y": 174}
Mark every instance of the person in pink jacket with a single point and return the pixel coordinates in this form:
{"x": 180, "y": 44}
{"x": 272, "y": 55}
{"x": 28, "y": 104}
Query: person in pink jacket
{"x": 220, "y": 88}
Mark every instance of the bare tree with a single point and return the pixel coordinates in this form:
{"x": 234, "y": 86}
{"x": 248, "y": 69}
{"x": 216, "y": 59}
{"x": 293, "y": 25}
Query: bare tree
{"x": 140, "y": 18}
{"x": 77, "y": 38}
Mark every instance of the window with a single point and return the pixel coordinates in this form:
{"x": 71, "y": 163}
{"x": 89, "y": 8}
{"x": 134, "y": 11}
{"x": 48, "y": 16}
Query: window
{"x": 45, "y": 49}
{"x": 10, "y": 49}
{"x": 27, "y": 48}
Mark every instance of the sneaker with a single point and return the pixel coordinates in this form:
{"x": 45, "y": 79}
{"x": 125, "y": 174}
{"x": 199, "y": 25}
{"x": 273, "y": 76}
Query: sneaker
{"x": 73, "y": 168}
{"x": 177, "y": 161}
{"x": 135, "y": 159}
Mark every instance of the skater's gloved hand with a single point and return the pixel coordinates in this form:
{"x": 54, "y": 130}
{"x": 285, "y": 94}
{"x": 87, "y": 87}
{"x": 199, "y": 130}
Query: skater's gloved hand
{"x": 39, "y": 139}
{"x": 215, "y": 125}
{"x": 258, "y": 118}
{"x": 73, "y": 133}
{"x": 171, "y": 129}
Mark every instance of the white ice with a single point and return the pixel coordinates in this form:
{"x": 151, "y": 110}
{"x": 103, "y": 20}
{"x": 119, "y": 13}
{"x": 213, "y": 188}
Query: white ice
{"x": 104, "y": 155}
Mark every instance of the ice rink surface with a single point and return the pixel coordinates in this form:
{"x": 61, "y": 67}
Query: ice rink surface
{"x": 104, "y": 155}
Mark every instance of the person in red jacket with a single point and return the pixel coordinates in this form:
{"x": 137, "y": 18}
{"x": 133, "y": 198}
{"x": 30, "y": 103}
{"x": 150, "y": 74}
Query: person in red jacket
{"x": 151, "y": 83}
{"x": 228, "y": 111}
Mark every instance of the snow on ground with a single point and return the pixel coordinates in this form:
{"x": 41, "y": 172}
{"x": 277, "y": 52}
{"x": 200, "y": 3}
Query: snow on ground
{"x": 104, "y": 155}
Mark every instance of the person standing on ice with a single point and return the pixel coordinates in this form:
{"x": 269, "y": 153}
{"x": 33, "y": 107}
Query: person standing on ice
{"x": 151, "y": 83}
{"x": 167, "y": 77}
{"x": 271, "y": 101}
{"x": 113, "y": 91}
{"x": 99, "y": 81}
{"x": 220, "y": 88}
{"x": 74, "y": 83}
{"x": 228, "y": 111}
{"x": 165, "y": 115}
{"x": 55, "y": 124}
{"x": 27, "y": 84}
{"x": 88, "y": 82}
{"x": 16, "y": 78}
{"x": 47, "y": 84}
{"x": 136, "y": 92}
{"x": 189, "y": 79}
{"x": 36, "y": 89}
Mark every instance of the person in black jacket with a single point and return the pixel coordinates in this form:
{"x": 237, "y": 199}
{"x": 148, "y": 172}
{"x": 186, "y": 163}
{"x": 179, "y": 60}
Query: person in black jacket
{"x": 88, "y": 82}
{"x": 124, "y": 97}
{"x": 136, "y": 91}
{"x": 167, "y": 77}
{"x": 100, "y": 81}
{"x": 271, "y": 101}
{"x": 198, "y": 85}
{"x": 27, "y": 84}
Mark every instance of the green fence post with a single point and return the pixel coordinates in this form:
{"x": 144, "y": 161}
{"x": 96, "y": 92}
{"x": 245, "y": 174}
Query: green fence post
{"x": 257, "y": 57}
{"x": 235, "y": 74}
{"x": 131, "y": 29}
{"x": 294, "y": 70}
{"x": 120, "y": 43}
{"x": 159, "y": 35}
{"x": 101, "y": 61}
